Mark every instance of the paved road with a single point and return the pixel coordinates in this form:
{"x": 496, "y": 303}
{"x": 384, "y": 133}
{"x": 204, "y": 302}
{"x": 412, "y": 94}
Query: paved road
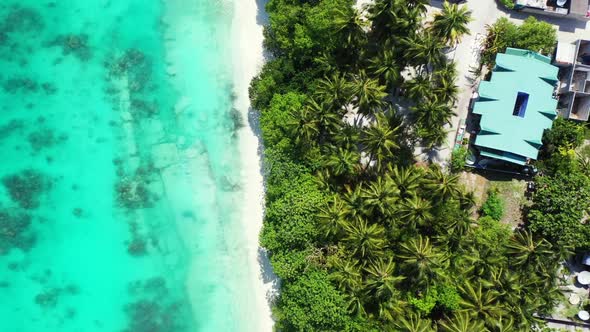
{"x": 486, "y": 12}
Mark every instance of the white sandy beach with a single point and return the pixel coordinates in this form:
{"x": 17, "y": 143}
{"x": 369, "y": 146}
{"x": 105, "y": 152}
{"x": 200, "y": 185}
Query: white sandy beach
{"x": 248, "y": 58}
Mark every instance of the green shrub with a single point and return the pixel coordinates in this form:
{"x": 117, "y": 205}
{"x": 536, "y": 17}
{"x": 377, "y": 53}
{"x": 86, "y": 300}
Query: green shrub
{"x": 493, "y": 206}
{"x": 563, "y": 133}
{"x": 533, "y": 35}
{"x": 288, "y": 265}
{"x": 312, "y": 303}
{"x": 491, "y": 234}
{"x": 443, "y": 297}
{"x": 448, "y": 298}
{"x": 559, "y": 205}
{"x": 458, "y": 158}
{"x": 509, "y": 4}
{"x": 425, "y": 304}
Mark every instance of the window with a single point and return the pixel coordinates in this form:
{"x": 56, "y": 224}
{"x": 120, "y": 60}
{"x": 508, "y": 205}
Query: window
{"x": 522, "y": 99}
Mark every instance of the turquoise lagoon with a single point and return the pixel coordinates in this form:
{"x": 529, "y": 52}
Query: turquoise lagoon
{"x": 120, "y": 193}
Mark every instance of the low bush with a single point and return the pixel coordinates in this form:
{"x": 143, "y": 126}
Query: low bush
{"x": 458, "y": 158}
{"x": 509, "y": 4}
{"x": 493, "y": 206}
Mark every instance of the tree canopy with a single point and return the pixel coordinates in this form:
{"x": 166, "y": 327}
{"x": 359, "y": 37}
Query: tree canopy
{"x": 363, "y": 238}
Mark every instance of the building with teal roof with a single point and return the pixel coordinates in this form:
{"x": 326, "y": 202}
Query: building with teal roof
{"x": 516, "y": 106}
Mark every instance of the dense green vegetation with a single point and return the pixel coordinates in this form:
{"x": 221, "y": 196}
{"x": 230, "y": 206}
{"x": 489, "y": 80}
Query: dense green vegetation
{"x": 562, "y": 196}
{"x": 363, "y": 239}
{"x": 534, "y": 35}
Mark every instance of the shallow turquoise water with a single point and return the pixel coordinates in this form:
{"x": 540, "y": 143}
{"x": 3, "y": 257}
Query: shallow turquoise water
{"x": 118, "y": 209}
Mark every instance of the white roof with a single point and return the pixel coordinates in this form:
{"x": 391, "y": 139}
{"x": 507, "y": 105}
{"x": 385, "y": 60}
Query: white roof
{"x": 565, "y": 53}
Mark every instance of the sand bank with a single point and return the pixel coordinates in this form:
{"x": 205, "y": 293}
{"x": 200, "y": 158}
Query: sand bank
{"x": 248, "y": 58}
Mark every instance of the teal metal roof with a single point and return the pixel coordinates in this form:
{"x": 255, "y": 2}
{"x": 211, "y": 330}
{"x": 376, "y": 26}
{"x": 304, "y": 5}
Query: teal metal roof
{"x": 517, "y": 137}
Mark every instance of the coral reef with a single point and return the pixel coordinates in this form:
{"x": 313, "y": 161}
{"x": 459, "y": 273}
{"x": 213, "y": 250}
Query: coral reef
{"x": 132, "y": 191}
{"x": 135, "y": 65}
{"x": 49, "y": 88}
{"x": 140, "y": 108}
{"x": 9, "y": 128}
{"x": 74, "y": 44}
{"x": 26, "y": 187}
{"x": 77, "y": 212}
{"x": 22, "y": 84}
{"x": 42, "y": 138}
{"x": 49, "y": 298}
{"x": 15, "y": 232}
{"x": 155, "y": 310}
{"x": 22, "y": 20}
{"x": 137, "y": 247}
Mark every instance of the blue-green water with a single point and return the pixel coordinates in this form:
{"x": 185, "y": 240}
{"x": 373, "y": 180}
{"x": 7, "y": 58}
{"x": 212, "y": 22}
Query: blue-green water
{"x": 119, "y": 167}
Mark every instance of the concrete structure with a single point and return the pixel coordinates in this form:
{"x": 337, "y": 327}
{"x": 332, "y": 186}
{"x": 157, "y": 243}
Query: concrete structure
{"x": 575, "y": 9}
{"x": 516, "y": 106}
{"x": 574, "y": 87}
{"x": 466, "y": 55}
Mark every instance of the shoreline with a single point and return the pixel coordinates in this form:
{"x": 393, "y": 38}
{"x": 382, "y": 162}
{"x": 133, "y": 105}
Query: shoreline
{"x": 248, "y": 59}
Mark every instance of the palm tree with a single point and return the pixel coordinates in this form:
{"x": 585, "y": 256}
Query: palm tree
{"x": 451, "y": 23}
{"x": 445, "y": 89}
{"x": 343, "y": 162}
{"x": 467, "y": 200}
{"x": 481, "y": 304}
{"x": 355, "y": 299}
{"x": 380, "y": 195}
{"x": 326, "y": 119}
{"x": 421, "y": 260}
{"x": 381, "y": 280}
{"x": 424, "y": 48}
{"x": 407, "y": 180}
{"x": 432, "y": 114}
{"x": 347, "y": 137}
{"x": 349, "y": 24}
{"x": 583, "y": 163}
{"x": 506, "y": 324}
{"x": 354, "y": 201}
{"x": 413, "y": 323}
{"x": 392, "y": 18}
{"x": 461, "y": 322}
{"x": 303, "y": 127}
{"x": 390, "y": 310}
{"x": 442, "y": 184}
{"x": 479, "y": 262}
{"x": 346, "y": 275}
{"x": 369, "y": 94}
{"x": 419, "y": 88}
{"x": 380, "y": 140}
{"x": 365, "y": 241}
{"x": 385, "y": 67}
{"x": 419, "y": 5}
{"x": 525, "y": 251}
{"x": 432, "y": 137}
{"x": 331, "y": 217}
{"x": 334, "y": 90}
{"x": 415, "y": 211}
